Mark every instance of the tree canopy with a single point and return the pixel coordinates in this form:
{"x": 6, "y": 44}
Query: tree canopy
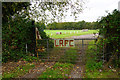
{"x": 72, "y": 25}
{"x": 49, "y": 11}
{"x": 10, "y": 8}
{"x": 18, "y": 28}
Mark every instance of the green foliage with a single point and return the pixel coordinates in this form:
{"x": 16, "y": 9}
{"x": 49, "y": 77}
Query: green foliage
{"x": 93, "y": 65}
{"x": 18, "y": 29}
{"x": 72, "y": 25}
{"x": 110, "y": 29}
{"x": 18, "y": 32}
{"x": 64, "y": 65}
{"x": 116, "y": 63}
{"x": 104, "y": 74}
{"x": 15, "y": 37}
{"x": 30, "y": 58}
{"x": 59, "y": 70}
{"x": 13, "y": 8}
{"x": 18, "y": 35}
{"x": 19, "y": 71}
{"x": 56, "y": 10}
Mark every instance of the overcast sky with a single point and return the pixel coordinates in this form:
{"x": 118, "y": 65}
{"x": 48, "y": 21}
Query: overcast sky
{"x": 94, "y": 10}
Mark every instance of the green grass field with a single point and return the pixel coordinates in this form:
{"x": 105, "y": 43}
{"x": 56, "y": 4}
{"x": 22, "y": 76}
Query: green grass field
{"x": 68, "y": 33}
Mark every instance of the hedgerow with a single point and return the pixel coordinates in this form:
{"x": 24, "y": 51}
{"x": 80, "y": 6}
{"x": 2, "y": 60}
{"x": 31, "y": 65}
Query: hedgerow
{"x": 110, "y": 29}
{"x": 16, "y": 34}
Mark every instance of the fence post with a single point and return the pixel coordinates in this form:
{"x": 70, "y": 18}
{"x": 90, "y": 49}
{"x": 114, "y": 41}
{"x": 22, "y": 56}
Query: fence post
{"x": 103, "y": 53}
{"x": 47, "y": 48}
{"x": 47, "y": 44}
{"x": 26, "y": 48}
{"x": 82, "y": 45}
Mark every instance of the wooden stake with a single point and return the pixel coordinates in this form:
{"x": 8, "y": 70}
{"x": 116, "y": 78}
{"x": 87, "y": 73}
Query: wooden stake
{"x": 36, "y": 47}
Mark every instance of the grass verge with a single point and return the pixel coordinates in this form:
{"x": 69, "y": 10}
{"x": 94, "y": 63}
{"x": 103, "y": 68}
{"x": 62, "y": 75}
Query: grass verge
{"x": 19, "y": 71}
{"x": 59, "y": 70}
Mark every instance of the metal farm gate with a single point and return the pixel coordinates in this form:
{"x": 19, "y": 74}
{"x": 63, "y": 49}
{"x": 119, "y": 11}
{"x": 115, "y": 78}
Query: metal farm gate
{"x": 47, "y": 51}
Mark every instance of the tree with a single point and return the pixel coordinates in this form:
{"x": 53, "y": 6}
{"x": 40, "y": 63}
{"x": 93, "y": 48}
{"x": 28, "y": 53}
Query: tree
{"x": 10, "y": 8}
{"x": 110, "y": 29}
{"x": 55, "y": 9}
{"x": 18, "y": 21}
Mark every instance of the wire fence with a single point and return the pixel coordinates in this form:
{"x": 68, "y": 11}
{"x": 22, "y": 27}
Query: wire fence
{"x": 74, "y": 54}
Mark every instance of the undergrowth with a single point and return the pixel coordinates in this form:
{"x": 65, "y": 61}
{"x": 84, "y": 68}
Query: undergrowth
{"x": 95, "y": 67}
{"x": 19, "y": 71}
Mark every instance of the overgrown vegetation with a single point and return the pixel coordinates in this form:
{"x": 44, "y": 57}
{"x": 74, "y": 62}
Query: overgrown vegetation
{"x": 19, "y": 71}
{"x": 30, "y": 58}
{"x": 110, "y": 29}
{"x": 17, "y": 31}
{"x": 107, "y": 44}
{"x": 95, "y": 67}
{"x": 59, "y": 70}
{"x": 18, "y": 25}
{"x": 15, "y": 37}
{"x": 92, "y": 58}
{"x": 11, "y": 29}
